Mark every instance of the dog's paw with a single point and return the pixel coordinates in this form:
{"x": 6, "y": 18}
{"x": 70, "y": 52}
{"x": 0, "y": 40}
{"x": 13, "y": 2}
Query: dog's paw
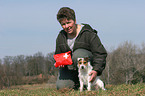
{"x": 104, "y": 89}
{"x": 81, "y": 90}
{"x": 89, "y": 89}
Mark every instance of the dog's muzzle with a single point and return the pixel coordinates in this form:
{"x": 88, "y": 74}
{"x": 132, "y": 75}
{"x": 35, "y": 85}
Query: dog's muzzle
{"x": 82, "y": 67}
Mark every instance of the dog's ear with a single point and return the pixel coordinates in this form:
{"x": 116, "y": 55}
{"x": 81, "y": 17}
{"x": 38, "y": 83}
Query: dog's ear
{"x": 86, "y": 58}
{"x": 79, "y": 59}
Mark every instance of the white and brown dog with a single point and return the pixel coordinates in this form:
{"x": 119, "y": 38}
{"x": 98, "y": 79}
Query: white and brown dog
{"x": 84, "y": 68}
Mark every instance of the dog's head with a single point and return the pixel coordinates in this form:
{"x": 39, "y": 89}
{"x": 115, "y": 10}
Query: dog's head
{"x": 83, "y": 63}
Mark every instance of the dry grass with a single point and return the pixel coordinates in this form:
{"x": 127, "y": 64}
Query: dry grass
{"x": 50, "y": 90}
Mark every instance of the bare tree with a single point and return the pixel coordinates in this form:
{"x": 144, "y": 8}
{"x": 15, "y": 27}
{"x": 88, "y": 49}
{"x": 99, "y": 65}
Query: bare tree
{"x": 7, "y": 70}
{"x": 125, "y": 63}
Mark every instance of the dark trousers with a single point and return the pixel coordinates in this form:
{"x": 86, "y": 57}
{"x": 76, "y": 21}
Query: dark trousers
{"x": 68, "y": 76}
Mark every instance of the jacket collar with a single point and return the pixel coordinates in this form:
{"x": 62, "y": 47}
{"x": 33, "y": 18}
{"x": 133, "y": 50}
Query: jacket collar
{"x": 85, "y": 28}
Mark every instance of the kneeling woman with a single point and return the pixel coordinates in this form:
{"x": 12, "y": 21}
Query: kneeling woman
{"x": 82, "y": 41}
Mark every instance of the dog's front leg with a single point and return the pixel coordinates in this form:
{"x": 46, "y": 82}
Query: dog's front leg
{"x": 89, "y": 84}
{"x": 81, "y": 85}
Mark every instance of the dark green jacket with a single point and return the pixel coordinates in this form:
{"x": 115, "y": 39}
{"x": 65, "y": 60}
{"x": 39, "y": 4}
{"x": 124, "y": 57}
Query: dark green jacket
{"x": 87, "y": 39}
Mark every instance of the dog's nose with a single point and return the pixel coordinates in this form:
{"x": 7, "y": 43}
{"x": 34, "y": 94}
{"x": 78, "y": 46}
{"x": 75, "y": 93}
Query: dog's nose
{"x": 82, "y": 67}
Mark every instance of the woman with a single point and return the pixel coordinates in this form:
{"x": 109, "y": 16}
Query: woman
{"x": 83, "y": 41}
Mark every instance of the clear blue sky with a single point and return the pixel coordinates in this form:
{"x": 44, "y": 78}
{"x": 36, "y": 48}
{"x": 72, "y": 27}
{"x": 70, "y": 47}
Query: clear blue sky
{"x": 30, "y": 26}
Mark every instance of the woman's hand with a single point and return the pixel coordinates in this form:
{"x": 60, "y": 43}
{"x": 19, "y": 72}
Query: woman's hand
{"x": 61, "y": 66}
{"x": 94, "y": 75}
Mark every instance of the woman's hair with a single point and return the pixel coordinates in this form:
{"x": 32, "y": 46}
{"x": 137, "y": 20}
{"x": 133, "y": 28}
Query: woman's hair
{"x": 66, "y": 13}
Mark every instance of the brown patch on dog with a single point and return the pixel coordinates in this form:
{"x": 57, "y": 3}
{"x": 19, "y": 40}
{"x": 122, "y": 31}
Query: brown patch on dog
{"x": 83, "y": 61}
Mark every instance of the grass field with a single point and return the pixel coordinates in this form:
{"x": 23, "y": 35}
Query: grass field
{"x": 50, "y": 90}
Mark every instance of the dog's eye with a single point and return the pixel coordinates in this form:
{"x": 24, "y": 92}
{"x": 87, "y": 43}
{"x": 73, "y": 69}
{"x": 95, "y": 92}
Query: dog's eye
{"x": 80, "y": 63}
{"x": 85, "y": 62}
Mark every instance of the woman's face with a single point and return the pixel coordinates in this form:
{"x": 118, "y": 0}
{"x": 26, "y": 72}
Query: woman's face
{"x": 68, "y": 26}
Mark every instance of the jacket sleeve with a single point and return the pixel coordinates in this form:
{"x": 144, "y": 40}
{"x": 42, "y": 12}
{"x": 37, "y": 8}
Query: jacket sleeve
{"x": 57, "y": 49}
{"x": 58, "y": 40}
{"x": 99, "y": 54}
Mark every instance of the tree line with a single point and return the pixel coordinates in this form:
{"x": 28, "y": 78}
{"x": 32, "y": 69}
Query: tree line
{"x": 125, "y": 64}
{"x": 16, "y": 70}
